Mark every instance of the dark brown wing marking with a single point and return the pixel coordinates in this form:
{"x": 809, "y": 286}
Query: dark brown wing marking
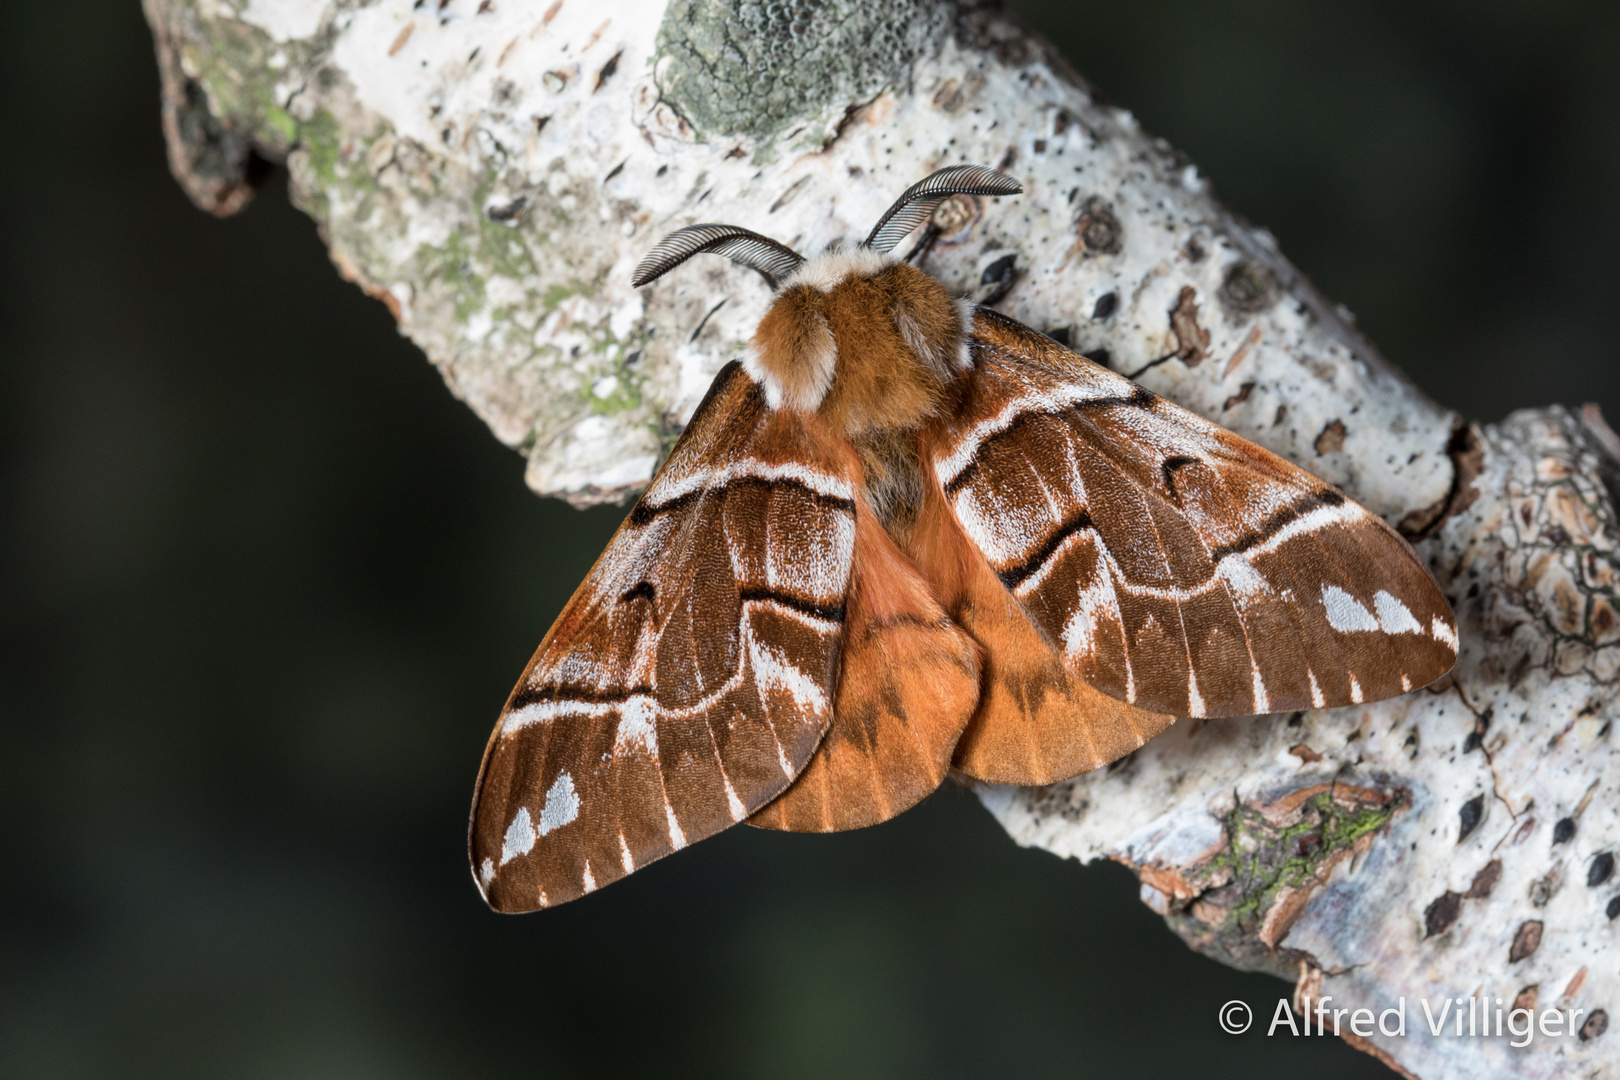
{"x": 1182, "y": 568}
{"x": 690, "y": 678}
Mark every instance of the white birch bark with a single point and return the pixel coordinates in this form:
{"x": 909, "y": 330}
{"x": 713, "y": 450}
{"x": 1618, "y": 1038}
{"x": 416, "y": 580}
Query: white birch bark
{"x": 492, "y": 169}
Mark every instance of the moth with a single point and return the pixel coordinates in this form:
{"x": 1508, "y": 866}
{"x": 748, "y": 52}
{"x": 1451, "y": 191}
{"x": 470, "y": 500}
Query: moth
{"x": 903, "y": 535}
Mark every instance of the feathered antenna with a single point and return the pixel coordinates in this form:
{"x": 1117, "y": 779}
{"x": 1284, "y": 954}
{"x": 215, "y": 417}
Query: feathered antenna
{"x": 922, "y": 198}
{"x": 773, "y": 260}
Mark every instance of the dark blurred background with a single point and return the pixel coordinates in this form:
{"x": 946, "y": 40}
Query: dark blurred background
{"x": 266, "y": 584}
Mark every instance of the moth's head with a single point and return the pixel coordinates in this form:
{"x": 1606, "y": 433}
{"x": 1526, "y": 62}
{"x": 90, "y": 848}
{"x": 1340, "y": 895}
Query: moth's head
{"x": 846, "y": 299}
{"x": 887, "y": 315}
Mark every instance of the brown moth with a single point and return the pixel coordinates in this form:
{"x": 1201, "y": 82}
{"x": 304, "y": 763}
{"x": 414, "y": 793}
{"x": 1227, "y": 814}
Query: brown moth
{"x": 904, "y": 535}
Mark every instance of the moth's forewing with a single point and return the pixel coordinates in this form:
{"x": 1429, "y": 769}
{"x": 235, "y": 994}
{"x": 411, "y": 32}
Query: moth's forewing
{"x": 690, "y": 677}
{"x": 1177, "y": 566}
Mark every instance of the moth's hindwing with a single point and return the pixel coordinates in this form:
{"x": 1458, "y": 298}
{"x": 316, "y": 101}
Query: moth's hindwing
{"x": 1036, "y": 722}
{"x": 1177, "y": 566}
{"x": 908, "y": 683}
{"x": 690, "y": 678}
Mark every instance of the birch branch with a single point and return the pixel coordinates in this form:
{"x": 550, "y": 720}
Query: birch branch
{"x": 492, "y": 169}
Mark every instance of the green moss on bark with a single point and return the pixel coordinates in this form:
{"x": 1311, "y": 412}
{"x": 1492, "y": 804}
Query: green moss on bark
{"x": 1264, "y": 860}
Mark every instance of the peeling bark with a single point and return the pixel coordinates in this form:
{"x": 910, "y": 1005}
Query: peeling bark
{"x": 492, "y": 171}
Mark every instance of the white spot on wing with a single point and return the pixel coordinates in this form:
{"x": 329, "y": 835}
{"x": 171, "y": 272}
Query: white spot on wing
{"x": 1080, "y": 632}
{"x": 1195, "y": 700}
{"x": 519, "y": 838}
{"x": 1344, "y": 612}
{"x": 587, "y": 880}
{"x": 562, "y": 804}
{"x": 625, "y": 858}
{"x": 1393, "y": 615}
{"x": 1317, "y": 700}
{"x": 676, "y": 836}
{"x": 1262, "y": 701}
{"x": 1095, "y": 602}
{"x": 1242, "y": 579}
{"x": 1355, "y": 690}
{"x": 636, "y": 725}
{"x": 1406, "y": 684}
{"x": 486, "y": 873}
{"x": 1444, "y": 633}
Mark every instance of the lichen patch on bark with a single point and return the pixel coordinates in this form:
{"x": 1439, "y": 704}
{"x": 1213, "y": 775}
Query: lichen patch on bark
{"x": 791, "y": 69}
